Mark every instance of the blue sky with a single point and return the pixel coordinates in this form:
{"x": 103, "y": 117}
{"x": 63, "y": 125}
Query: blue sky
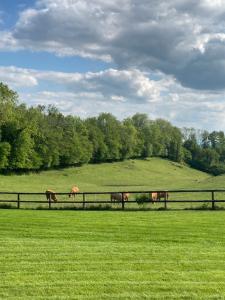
{"x": 40, "y": 60}
{"x": 11, "y": 10}
{"x": 164, "y": 58}
{"x": 46, "y": 61}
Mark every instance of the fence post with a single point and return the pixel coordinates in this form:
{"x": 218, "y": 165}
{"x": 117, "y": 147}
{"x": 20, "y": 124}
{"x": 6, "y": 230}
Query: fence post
{"x": 18, "y": 200}
{"x": 122, "y": 201}
{"x": 49, "y": 202}
{"x": 165, "y": 201}
{"x": 213, "y": 200}
{"x": 83, "y": 200}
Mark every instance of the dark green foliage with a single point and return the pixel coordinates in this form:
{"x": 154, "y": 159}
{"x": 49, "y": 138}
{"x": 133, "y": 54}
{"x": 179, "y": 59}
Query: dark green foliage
{"x": 205, "y": 151}
{"x": 110, "y": 128}
{"x": 142, "y": 198}
{"x": 6, "y": 206}
{"x": 4, "y": 154}
{"x": 96, "y": 138}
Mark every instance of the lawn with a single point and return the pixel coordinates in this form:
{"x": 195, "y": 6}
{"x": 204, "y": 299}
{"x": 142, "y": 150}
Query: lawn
{"x": 112, "y": 254}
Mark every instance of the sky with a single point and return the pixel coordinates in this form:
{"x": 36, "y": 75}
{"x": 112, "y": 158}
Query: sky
{"x": 164, "y": 58}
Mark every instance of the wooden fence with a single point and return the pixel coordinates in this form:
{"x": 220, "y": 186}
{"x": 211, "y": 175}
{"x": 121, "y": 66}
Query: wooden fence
{"x": 83, "y": 203}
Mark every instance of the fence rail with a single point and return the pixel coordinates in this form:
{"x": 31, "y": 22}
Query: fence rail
{"x": 81, "y": 198}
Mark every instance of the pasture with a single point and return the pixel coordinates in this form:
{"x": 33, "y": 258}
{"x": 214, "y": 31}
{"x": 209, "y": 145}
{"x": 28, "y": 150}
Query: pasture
{"x": 130, "y": 175}
{"x": 112, "y": 255}
{"x": 70, "y": 254}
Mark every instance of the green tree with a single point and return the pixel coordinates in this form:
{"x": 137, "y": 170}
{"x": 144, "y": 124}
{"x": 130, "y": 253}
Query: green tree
{"x": 96, "y": 137}
{"x": 129, "y": 140}
{"x": 75, "y": 146}
{"x": 4, "y": 155}
{"x": 111, "y": 128}
{"x": 144, "y": 142}
{"x": 8, "y": 102}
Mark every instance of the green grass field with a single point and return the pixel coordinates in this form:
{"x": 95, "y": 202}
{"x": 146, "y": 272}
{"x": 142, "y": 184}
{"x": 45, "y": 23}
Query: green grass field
{"x": 112, "y": 255}
{"x": 67, "y": 254}
{"x": 131, "y": 175}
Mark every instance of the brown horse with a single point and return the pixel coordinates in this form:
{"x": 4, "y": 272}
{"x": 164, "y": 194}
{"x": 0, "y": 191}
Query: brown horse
{"x": 73, "y": 191}
{"x": 51, "y": 196}
{"x": 156, "y": 196}
{"x": 119, "y": 196}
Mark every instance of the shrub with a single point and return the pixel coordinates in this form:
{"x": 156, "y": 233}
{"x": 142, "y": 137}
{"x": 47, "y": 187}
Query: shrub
{"x": 6, "y": 206}
{"x": 142, "y": 198}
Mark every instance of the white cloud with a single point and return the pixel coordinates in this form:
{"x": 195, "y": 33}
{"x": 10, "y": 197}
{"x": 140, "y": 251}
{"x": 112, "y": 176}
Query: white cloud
{"x": 180, "y": 38}
{"x": 202, "y": 114}
{"x": 8, "y": 43}
{"x": 16, "y": 77}
{"x": 179, "y": 42}
{"x": 118, "y": 85}
{"x": 215, "y": 4}
{"x": 121, "y": 92}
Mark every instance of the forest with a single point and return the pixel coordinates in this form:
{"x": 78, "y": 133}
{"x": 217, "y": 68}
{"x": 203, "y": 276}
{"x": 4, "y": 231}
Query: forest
{"x": 38, "y": 138}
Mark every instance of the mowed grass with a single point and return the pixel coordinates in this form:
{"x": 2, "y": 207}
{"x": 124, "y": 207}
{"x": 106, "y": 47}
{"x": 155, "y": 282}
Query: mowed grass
{"x": 112, "y": 254}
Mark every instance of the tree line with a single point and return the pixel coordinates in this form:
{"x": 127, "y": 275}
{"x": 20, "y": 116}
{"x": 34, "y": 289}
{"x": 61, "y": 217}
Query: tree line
{"x": 37, "y": 138}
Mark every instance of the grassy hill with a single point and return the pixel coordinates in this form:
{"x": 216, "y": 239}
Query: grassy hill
{"x": 154, "y": 173}
{"x": 130, "y": 175}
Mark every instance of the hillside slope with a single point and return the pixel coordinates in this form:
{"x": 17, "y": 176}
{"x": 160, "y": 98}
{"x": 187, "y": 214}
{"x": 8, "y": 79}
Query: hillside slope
{"x": 154, "y": 173}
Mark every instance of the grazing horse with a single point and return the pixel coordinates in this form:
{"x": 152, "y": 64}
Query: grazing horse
{"x": 73, "y": 191}
{"x": 51, "y": 196}
{"x": 119, "y": 196}
{"x": 156, "y": 196}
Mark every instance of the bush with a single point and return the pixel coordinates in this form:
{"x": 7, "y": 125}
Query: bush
{"x": 6, "y": 206}
{"x": 142, "y": 198}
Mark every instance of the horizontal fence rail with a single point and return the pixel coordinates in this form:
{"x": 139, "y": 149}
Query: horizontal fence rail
{"x": 80, "y": 200}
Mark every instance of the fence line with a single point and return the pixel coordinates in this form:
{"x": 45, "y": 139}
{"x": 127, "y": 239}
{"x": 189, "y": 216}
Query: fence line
{"x": 84, "y": 202}
{"x": 112, "y": 192}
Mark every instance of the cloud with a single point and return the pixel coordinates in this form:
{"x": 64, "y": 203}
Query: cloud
{"x": 16, "y": 77}
{"x": 109, "y": 85}
{"x": 208, "y": 113}
{"x": 184, "y": 39}
{"x": 79, "y": 104}
{"x": 168, "y": 58}
{"x": 121, "y": 92}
